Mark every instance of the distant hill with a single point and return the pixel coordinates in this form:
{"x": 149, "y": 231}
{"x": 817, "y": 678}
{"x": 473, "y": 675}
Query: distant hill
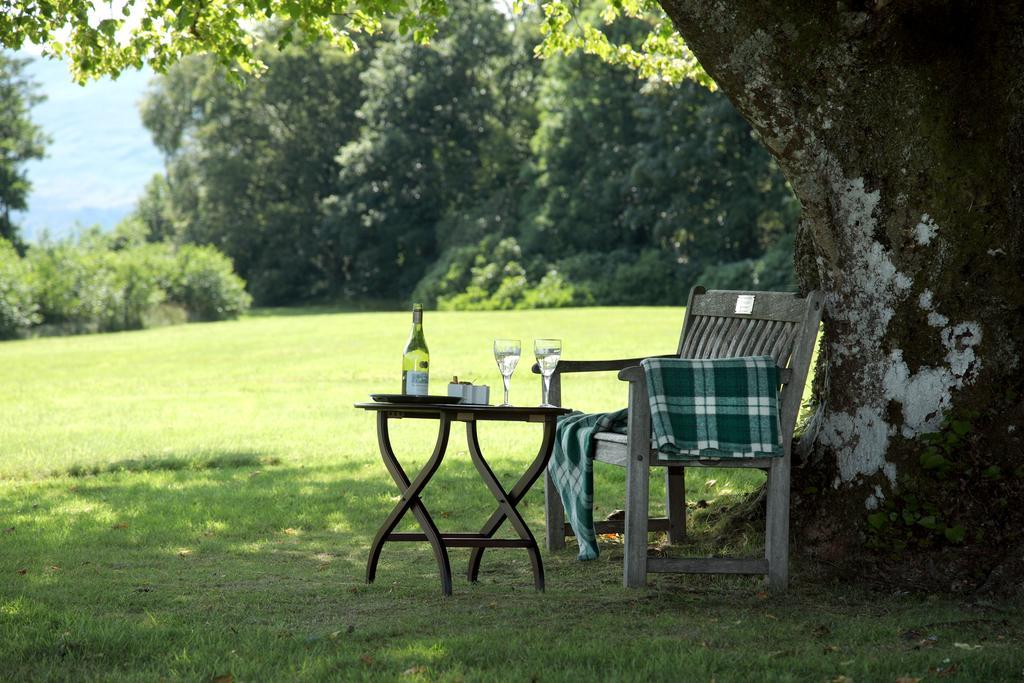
{"x": 100, "y": 156}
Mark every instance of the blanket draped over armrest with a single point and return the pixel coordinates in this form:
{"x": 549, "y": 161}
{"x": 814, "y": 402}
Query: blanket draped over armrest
{"x": 700, "y": 409}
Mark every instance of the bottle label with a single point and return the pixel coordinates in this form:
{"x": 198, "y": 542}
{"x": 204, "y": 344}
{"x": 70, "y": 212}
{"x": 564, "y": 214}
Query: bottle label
{"x": 416, "y": 383}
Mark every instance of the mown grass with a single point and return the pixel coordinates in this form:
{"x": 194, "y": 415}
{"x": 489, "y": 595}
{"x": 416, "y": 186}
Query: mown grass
{"x": 189, "y": 502}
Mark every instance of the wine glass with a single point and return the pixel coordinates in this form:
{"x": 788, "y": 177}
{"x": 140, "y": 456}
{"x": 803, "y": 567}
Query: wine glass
{"x": 506, "y": 353}
{"x": 547, "y": 351}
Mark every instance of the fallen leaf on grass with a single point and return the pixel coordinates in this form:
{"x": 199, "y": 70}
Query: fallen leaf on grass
{"x": 908, "y": 679}
{"x": 841, "y": 679}
{"x": 9, "y": 530}
{"x": 366, "y": 659}
{"x": 223, "y": 678}
{"x": 413, "y": 670}
{"x": 23, "y": 571}
{"x": 926, "y": 642}
{"x": 446, "y": 514}
{"x": 120, "y": 525}
{"x": 965, "y": 646}
{"x": 830, "y": 648}
{"x": 943, "y": 671}
{"x": 762, "y": 595}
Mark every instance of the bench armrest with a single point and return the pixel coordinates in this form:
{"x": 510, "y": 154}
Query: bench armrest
{"x": 633, "y": 373}
{"x": 565, "y": 366}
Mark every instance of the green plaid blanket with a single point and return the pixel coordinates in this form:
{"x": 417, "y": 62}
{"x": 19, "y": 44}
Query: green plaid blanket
{"x": 722, "y": 408}
{"x": 572, "y": 470}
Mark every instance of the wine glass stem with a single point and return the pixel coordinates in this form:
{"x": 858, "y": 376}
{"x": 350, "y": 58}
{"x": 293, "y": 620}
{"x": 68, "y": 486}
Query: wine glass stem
{"x": 505, "y": 379}
{"x": 547, "y": 388}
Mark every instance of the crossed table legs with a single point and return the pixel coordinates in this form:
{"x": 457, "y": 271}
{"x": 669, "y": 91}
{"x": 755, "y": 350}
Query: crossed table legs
{"x": 440, "y": 542}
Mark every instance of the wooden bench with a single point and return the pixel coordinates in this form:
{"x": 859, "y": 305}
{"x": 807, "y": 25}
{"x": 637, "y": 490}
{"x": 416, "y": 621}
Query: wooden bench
{"x": 718, "y": 324}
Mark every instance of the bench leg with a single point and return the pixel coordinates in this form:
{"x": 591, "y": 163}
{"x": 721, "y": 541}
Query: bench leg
{"x": 776, "y": 538}
{"x": 637, "y": 496}
{"x": 554, "y": 516}
{"x": 675, "y": 503}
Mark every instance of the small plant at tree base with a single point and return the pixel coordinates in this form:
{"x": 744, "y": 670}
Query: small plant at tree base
{"x": 956, "y": 477}
{"x": 913, "y": 518}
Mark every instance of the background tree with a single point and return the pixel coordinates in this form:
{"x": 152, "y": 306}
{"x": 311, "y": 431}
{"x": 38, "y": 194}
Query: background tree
{"x": 448, "y": 149}
{"x": 661, "y": 184}
{"x": 20, "y": 141}
{"x": 426, "y": 112}
{"x": 248, "y": 167}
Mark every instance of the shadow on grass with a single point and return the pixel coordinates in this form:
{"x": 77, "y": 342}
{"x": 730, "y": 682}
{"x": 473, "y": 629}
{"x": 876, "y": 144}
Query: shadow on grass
{"x": 250, "y": 511}
{"x": 172, "y": 463}
{"x": 254, "y": 511}
{"x": 258, "y": 571}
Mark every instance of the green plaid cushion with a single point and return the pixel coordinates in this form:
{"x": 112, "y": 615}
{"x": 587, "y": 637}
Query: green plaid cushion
{"x": 720, "y": 408}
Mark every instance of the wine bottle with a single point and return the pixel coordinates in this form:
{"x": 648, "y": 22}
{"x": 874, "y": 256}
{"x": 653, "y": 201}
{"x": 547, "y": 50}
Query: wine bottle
{"x": 416, "y": 358}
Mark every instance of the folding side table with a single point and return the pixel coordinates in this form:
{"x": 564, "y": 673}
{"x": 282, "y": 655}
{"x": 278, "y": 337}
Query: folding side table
{"x": 440, "y": 542}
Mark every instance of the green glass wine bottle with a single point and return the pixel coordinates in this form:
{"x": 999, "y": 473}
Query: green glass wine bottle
{"x": 416, "y": 358}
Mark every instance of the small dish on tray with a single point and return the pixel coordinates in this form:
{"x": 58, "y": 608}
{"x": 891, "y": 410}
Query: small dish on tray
{"x": 408, "y": 398}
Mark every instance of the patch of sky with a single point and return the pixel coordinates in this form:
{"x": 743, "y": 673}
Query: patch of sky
{"x": 100, "y": 156}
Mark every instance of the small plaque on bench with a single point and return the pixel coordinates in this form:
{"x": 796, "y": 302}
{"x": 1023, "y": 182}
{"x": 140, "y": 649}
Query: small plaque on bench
{"x": 744, "y": 304}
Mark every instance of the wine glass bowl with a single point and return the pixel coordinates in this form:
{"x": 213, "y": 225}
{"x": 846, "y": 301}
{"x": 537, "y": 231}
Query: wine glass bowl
{"x": 506, "y": 355}
{"x": 547, "y": 352}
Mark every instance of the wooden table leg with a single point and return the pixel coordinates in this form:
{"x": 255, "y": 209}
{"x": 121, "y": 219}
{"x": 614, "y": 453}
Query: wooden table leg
{"x": 410, "y": 500}
{"x": 508, "y": 501}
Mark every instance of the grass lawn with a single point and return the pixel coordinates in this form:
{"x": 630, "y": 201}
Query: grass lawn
{"x": 196, "y": 501}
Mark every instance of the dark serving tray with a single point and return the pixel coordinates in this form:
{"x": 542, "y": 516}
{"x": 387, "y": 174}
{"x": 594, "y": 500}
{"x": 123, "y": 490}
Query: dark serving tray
{"x": 408, "y": 398}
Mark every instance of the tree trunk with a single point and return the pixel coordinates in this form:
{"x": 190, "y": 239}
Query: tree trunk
{"x": 900, "y": 125}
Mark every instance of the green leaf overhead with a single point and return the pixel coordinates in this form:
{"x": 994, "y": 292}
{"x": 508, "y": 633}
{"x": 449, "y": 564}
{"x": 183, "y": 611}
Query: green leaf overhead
{"x": 105, "y": 39}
